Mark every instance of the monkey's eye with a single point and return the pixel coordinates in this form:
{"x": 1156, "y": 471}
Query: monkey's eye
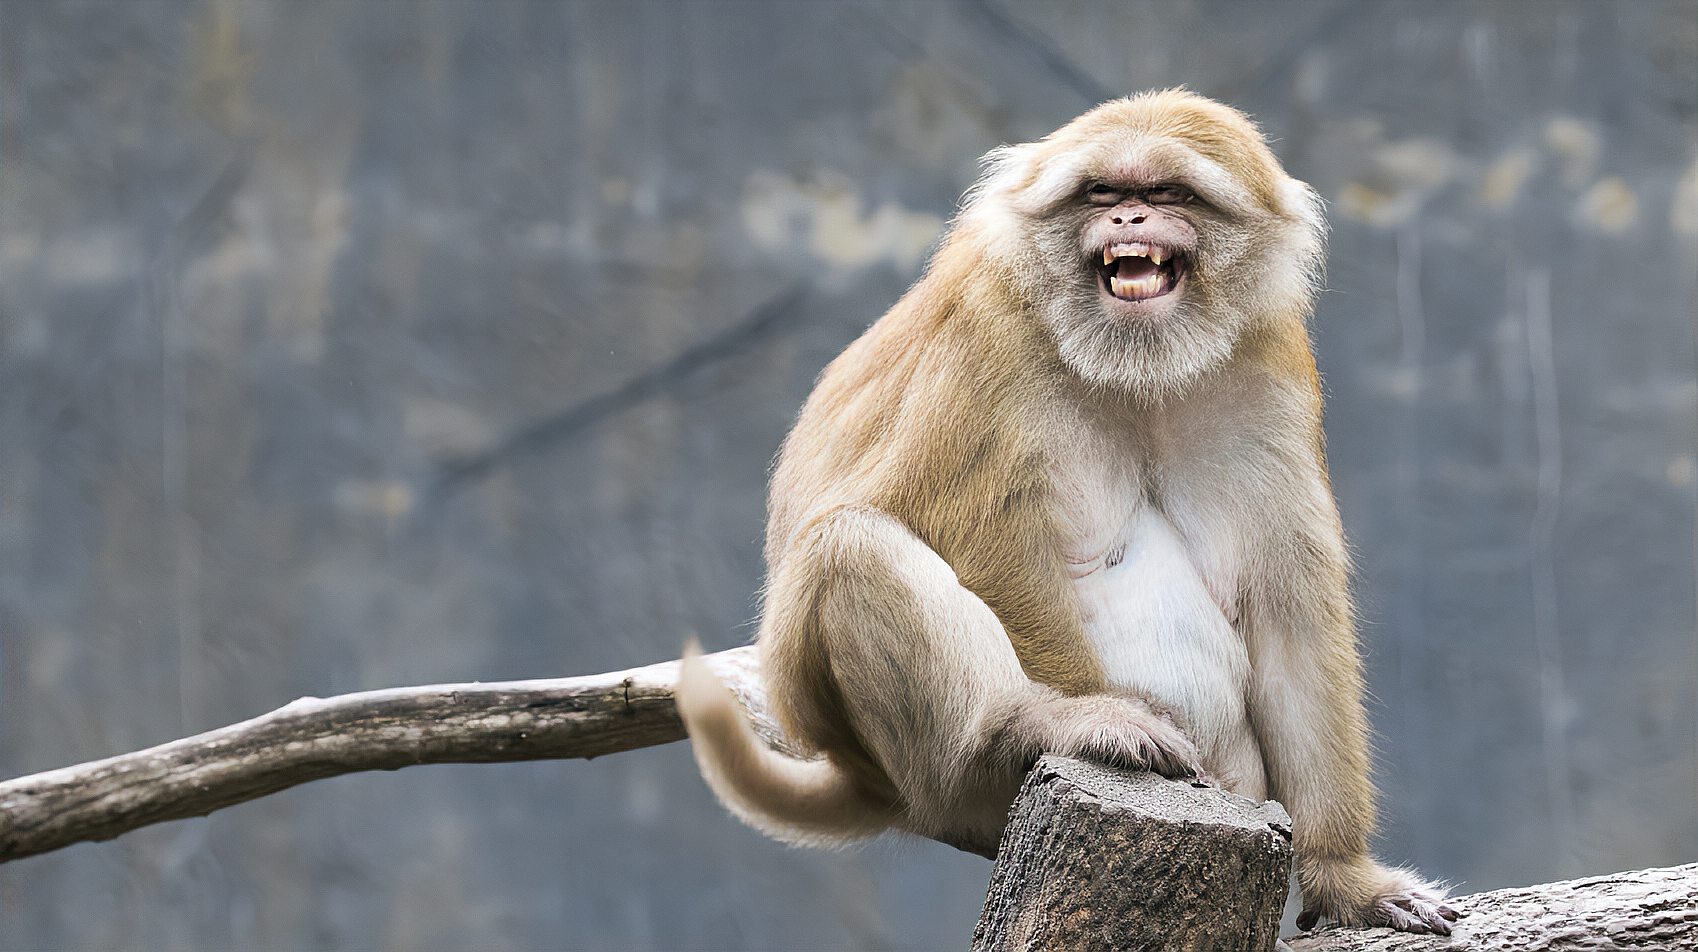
{"x": 1102, "y": 194}
{"x": 1168, "y": 195}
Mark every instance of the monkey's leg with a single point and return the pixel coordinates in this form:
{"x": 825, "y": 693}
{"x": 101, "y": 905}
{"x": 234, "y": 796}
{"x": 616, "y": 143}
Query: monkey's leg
{"x": 934, "y": 691}
{"x": 1237, "y": 764}
{"x": 1306, "y": 688}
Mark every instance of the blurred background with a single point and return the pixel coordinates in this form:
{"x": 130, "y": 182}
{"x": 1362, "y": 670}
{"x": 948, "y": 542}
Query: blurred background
{"x": 351, "y": 345}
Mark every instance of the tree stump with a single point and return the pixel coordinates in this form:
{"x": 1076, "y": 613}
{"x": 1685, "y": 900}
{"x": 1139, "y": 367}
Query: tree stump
{"x": 1102, "y": 859}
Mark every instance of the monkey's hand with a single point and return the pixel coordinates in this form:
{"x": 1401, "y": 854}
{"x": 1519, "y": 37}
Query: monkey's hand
{"x": 1118, "y": 730}
{"x": 1360, "y": 892}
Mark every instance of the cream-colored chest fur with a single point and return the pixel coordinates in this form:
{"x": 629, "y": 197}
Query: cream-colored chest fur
{"x": 1155, "y": 547}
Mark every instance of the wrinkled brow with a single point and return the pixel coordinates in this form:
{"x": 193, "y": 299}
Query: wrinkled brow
{"x": 1138, "y": 160}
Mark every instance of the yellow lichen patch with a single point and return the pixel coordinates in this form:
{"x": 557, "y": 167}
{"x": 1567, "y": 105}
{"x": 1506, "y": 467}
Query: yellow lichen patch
{"x": 1681, "y": 470}
{"x": 1609, "y": 206}
{"x": 1578, "y": 146}
{"x": 826, "y": 218}
{"x": 1504, "y": 178}
{"x": 380, "y": 497}
{"x": 1416, "y": 163}
{"x": 1399, "y": 176}
{"x": 221, "y": 69}
{"x": 1374, "y": 206}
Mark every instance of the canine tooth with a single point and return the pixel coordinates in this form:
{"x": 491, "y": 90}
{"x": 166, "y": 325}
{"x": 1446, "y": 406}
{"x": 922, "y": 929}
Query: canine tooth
{"x": 1157, "y": 255}
{"x": 1108, "y": 255}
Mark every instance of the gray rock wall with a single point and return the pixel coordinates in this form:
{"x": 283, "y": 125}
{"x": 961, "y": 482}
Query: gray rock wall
{"x": 345, "y": 345}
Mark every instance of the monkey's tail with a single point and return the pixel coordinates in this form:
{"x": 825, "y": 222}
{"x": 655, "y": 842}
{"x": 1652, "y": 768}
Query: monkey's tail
{"x": 803, "y": 802}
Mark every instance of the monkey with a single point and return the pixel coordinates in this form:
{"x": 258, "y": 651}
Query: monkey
{"x": 1070, "y": 495}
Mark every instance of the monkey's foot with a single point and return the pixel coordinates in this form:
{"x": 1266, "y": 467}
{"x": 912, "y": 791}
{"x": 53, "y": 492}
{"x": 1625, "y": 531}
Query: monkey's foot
{"x": 1399, "y": 900}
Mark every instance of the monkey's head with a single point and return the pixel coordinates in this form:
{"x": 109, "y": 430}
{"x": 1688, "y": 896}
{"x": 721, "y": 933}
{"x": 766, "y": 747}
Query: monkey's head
{"x": 1149, "y": 234}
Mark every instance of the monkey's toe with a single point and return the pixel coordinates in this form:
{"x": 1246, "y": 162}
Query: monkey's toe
{"x": 1402, "y": 902}
{"x": 1407, "y": 914}
{"x": 1420, "y": 909}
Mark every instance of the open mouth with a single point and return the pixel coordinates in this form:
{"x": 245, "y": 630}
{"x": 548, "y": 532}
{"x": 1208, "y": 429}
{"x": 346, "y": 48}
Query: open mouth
{"x": 1134, "y": 271}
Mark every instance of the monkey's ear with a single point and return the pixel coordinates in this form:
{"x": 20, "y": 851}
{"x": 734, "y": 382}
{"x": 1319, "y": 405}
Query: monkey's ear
{"x": 1028, "y": 179}
{"x": 1303, "y": 203}
{"x": 1006, "y": 171}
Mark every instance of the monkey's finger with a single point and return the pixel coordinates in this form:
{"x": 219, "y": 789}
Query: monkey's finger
{"x": 1170, "y": 764}
{"x": 1389, "y": 914}
{"x": 1175, "y": 767}
{"x": 1435, "y": 897}
{"x": 1429, "y": 915}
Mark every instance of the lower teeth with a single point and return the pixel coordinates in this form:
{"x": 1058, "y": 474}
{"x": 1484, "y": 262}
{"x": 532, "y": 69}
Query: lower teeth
{"x": 1142, "y": 288}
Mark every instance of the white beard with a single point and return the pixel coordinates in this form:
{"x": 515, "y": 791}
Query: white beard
{"x": 1150, "y": 359}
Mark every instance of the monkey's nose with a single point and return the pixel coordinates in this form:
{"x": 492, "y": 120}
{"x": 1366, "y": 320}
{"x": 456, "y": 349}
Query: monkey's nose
{"x": 1136, "y": 219}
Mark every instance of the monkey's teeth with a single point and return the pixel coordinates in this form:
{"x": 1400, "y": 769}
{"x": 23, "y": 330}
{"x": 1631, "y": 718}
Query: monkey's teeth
{"x": 1135, "y": 249}
{"x": 1137, "y": 288}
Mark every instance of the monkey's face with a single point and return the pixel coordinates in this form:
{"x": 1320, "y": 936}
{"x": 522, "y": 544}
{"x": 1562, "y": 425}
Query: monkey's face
{"x": 1140, "y": 246}
{"x": 1149, "y": 235}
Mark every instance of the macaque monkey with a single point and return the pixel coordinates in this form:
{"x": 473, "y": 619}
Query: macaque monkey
{"x": 1070, "y": 496}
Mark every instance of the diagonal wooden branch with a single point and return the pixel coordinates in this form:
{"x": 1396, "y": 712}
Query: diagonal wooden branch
{"x": 314, "y": 738}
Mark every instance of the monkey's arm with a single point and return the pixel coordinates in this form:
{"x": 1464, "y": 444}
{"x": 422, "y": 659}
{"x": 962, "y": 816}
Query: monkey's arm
{"x": 869, "y": 629}
{"x": 1306, "y": 686}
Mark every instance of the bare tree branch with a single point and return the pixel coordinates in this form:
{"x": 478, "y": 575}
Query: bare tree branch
{"x": 1642, "y": 909}
{"x": 314, "y": 738}
{"x": 1079, "y": 837}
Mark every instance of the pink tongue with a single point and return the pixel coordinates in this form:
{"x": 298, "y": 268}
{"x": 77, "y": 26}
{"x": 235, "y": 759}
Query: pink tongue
{"x": 1132, "y": 268}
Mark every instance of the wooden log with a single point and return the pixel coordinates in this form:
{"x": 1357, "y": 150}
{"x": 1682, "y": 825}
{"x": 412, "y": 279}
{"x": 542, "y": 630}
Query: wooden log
{"x": 1655, "y": 910}
{"x": 313, "y": 738}
{"x": 1103, "y": 859}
